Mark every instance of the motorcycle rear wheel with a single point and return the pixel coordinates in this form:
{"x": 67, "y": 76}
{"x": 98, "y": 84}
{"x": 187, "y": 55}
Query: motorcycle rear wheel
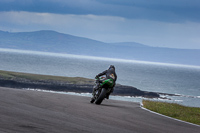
{"x": 101, "y": 96}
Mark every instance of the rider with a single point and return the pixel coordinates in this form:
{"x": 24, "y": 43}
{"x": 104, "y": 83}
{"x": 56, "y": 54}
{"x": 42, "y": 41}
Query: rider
{"x": 109, "y": 81}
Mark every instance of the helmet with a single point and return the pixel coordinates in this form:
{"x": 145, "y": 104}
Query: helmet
{"x": 111, "y": 66}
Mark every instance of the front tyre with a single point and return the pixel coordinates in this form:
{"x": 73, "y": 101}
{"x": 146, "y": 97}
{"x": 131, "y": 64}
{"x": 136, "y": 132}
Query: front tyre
{"x": 101, "y": 96}
{"x": 92, "y": 100}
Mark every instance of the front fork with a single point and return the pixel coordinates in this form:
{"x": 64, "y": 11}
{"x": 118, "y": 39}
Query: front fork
{"x": 96, "y": 90}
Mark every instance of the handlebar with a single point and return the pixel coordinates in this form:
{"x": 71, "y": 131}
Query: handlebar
{"x": 98, "y": 78}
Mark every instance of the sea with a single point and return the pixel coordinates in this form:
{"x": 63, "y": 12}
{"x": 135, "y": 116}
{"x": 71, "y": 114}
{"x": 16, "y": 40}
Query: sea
{"x": 181, "y": 80}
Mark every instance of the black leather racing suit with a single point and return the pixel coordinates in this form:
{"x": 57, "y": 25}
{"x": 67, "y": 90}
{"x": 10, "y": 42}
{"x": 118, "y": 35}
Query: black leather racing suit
{"x": 110, "y": 74}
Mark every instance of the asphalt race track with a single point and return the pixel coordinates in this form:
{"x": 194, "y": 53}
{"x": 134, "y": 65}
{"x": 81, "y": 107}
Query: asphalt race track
{"x": 25, "y": 111}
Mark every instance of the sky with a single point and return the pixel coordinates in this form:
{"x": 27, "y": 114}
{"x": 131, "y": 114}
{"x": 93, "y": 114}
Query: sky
{"x": 158, "y": 23}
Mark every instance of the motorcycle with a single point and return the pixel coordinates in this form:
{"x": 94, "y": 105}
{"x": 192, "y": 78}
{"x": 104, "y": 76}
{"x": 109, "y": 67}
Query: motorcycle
{"x": 100, "y": 92}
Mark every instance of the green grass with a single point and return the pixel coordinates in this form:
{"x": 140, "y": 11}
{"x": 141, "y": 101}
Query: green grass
{"x": 189, "y": 114}
{"x": 16, "y": 75}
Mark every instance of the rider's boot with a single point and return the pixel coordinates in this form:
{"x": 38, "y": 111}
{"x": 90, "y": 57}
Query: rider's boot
{"x": 108, "y": 94}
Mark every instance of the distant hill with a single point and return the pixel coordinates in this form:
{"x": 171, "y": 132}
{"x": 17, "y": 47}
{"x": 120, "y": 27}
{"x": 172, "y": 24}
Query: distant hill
{"x": 129, "y": 44}
{"x": 51, "y": 41}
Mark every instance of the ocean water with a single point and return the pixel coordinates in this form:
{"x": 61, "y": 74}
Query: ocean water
{"x": 147, "y": 76}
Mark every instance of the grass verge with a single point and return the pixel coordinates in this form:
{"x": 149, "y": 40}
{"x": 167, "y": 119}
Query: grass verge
{"x": 8, "y": 75}
{"x": 189, "y": 114}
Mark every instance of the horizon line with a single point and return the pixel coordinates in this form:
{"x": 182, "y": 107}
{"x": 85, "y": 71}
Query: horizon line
{"x": 95, "y": 57}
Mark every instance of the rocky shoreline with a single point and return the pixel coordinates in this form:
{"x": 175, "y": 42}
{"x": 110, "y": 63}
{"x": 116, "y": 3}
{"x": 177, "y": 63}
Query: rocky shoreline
{"x": 20, "y": 80}
{"x": 64, "y": 86}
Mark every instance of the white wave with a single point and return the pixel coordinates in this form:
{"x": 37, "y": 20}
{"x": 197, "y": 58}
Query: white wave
{"x": 60, "y": 92}
{"x": 79, "y": 94}
{"x": 179, "y": 94}
{"x": 178, "y": 100}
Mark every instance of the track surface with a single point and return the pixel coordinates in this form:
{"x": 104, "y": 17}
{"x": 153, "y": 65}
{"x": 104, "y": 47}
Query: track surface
{"x": 24, "y": 111}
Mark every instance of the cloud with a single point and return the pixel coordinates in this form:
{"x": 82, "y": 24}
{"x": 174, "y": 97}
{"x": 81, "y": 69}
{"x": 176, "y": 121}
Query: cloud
{"x": 156, "y": 10}
{"x": 106, "y": 28}
{"x": 172, "y": 23}
{"x": 66, "y": 23}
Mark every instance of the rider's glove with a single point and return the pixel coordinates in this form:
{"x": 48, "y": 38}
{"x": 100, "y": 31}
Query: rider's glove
{"x": 96, "y": 77}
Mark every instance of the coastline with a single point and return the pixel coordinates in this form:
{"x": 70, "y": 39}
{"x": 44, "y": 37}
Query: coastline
{"x": 64, "y": 84}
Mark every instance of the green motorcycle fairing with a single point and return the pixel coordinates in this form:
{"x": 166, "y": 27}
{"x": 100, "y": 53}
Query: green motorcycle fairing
{"x": 108, "y": 82}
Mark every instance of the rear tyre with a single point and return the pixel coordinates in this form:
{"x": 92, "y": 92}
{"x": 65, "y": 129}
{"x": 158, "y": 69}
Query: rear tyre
{"x": 101, "y": 96}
